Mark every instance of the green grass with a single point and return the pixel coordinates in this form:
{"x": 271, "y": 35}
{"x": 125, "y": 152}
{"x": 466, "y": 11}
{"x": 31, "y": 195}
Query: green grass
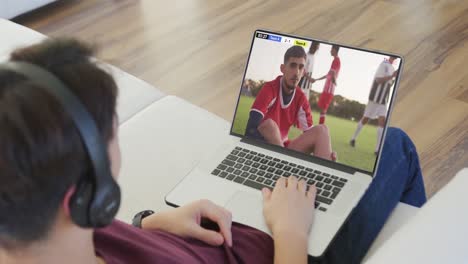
{"x": 341, "y": 131}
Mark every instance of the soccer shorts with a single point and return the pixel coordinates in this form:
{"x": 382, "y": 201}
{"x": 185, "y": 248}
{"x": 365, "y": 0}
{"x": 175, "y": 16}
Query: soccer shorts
{"x": 374, "y": 110}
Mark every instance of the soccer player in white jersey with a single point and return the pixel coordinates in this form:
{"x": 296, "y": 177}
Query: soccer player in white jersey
{"x": 377, "y": 106}
{"x": 306, "y": 81}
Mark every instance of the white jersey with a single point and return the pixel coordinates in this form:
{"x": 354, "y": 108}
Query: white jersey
{"x": 308, "y": 69}
{"x": 380, "y": 91}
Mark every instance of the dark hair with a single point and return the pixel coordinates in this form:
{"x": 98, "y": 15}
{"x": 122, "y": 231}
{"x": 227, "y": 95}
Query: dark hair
{"x": 336, "y": 47}
{"x": 294, "y": 52}
{"x": 41, "y": 153}
{"x": 313, "y": 47}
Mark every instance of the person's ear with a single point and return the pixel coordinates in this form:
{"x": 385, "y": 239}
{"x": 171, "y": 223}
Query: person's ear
{"x": 66, "y": 200}
{"x": 282, "y": 68}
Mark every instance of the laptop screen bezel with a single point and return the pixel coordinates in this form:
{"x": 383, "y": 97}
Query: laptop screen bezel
{"x": 311, "y": 158}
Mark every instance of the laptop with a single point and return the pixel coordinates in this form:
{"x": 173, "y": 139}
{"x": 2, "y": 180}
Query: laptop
{"x": 360, "y": 82}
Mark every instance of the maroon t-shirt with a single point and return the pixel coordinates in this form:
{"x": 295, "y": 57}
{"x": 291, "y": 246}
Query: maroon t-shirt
{"x": 123, "y": 243}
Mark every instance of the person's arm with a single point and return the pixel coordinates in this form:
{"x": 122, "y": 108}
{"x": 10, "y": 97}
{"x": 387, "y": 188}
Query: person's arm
{"x": 381, "y": 76}
{"x": 321, "y": 78}
{"x": 304, "y": 116}
{"x": 259, "y": 109}
{"x": 333, "y": 76}
{"x": 290, "y": 248}
{"x": 289, "y": 212}
{"x": 185, "y": 221}
{"x": 334, "y": 69}
{"x": 312, "y": 80}
{"x": 252, "y": 124}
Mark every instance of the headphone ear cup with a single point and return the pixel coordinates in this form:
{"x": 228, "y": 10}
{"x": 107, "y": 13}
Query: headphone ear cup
{"x": 80, "y": 203}
{"x": 105, "y": 204}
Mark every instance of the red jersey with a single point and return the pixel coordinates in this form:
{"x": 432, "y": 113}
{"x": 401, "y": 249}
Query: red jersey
{"x": 269, "y": 103}
{"x": 329, "y": 87}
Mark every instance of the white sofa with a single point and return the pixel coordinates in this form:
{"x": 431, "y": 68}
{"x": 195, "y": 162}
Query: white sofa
{"x": 12, "y": 8}
{"x": 162, "y": 137}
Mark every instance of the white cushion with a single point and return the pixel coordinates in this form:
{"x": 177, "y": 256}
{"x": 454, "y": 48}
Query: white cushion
{"x": 14, "y": 36}
{"x": 400, "y": 215}
{"x": 438, "y": 233}
{"x": 159, "y": 146}
{"x": 134, "y": 94}
{"x": 12, "y": 8}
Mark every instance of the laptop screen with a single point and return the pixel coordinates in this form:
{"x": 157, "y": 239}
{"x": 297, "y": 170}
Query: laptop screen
{"x": 317, "y": 98}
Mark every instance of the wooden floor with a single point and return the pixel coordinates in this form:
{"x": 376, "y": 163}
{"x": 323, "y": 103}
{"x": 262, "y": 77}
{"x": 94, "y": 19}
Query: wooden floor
{"x": 198, "y": 49}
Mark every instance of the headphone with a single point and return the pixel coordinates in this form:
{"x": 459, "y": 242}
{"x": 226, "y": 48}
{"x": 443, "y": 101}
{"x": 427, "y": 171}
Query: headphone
{"x": 97, "y": 196}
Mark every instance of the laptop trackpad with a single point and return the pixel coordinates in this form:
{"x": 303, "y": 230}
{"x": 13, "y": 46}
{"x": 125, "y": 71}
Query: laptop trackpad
{"x": 247, "y": 208}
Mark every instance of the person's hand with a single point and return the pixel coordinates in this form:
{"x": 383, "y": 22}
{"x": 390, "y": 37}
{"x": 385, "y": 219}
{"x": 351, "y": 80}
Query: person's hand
{"x": 394, "y": 74}
{"x": 289, "y": 208}
{"x": 185, "y": 221}
{"x": 312, "y": 80}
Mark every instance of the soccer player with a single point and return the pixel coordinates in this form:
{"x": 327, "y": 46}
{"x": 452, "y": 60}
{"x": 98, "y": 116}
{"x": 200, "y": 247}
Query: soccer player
{"x": 377, "y": 106}
{"x": 306, "y": 80}
{"x": 281, "y": 104}
{"x": 329, "y": 88}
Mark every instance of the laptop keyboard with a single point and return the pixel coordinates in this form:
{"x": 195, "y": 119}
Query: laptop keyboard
{"x": 258, "y": 170}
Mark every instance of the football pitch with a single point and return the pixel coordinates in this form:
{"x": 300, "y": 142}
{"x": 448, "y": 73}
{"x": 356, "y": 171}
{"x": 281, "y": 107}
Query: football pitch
{"x": 341, "y": 131}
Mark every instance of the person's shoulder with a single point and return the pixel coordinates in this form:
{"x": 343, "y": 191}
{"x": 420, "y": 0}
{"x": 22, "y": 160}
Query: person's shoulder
{"x": 115, "y": 226}
{"x": 273, "y": 84}
{"x": 383, "y": 65}
{"x": 336, "y": 63}
{"x": 300, "y": 96}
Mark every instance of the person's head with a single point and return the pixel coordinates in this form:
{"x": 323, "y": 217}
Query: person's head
{"x": 314, "y": 47}
{"x": 334, "y": 50}
{"x": 293, "y": 68}
{"x": 391, "y": 59}
{"x": 41, "y": 152}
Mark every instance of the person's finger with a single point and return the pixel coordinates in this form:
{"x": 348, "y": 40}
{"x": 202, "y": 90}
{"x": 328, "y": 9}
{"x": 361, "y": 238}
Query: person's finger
{"x": 266, "y": 194}
{"x": 292, "y": 182}
{"x": 227, "y": 213}
{"x": 215, "y": 213}
{"x": 208, "y": 236}
{"x": 312, "y": 192}
{"x": 302, "y": 186}
{"x": 281, "y": 182}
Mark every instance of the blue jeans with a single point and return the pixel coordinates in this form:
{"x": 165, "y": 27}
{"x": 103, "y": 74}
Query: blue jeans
{"x": 398, "y": 179}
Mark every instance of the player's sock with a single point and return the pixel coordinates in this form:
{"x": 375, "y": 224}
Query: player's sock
{"x": 358, "y": 130}
{"x": 322, "y": 119}
{"x": 379, "y": 137}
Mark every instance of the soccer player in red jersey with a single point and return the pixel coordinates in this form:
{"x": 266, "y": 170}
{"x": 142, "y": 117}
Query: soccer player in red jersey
{"x": 281, "y": 104}
{"x": 329, "y": 88}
